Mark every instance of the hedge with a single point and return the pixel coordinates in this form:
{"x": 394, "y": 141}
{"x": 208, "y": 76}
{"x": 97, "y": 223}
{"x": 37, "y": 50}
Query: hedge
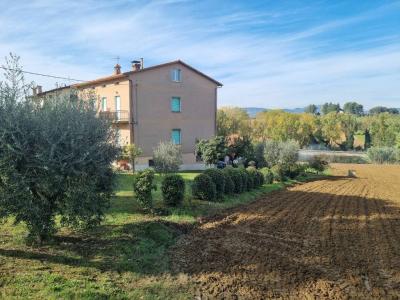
{"x": 218, "y": 179}
{"x": 204, "y": 188}
{"x": 173, "y": 189}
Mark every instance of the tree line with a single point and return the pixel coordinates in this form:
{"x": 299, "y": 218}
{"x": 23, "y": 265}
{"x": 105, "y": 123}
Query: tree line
{"x": 346, "y": 129}
{"x": 353, "y": 108}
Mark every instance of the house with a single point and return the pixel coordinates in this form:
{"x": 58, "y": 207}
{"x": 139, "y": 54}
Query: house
{"x": 171, "y": 101}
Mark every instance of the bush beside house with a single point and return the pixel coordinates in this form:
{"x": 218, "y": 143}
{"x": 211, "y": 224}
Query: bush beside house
{"x": 143, "y": 184}
{"x": 236, "y": 178}
{"x": 204, "y": 188}
{"x": 173, "y": 189}
{"x": 218, "y": 179}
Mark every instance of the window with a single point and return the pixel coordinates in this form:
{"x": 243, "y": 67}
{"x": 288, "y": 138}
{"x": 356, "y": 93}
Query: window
{"x": 176, "y": 136}
{"x": 176, "y": 75}
{"x": 118, "y": 107}
{"x": 104, "y": 104}
{"x": 176, "y": 104}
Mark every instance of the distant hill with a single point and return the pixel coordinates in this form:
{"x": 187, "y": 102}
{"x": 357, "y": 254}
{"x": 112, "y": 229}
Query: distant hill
{"x": 253, "y": 111}
{"x": 298, "y": 110}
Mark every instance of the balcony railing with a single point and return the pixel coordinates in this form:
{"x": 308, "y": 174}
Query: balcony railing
{"x": 117, "y": 116}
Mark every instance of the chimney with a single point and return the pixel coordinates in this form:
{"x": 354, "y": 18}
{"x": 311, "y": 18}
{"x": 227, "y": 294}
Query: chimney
{"x": 39, "y": 89}
{"x": 34, "y": 91}
{"x": 117, "y": 69}
{"x": 136, "y": 65}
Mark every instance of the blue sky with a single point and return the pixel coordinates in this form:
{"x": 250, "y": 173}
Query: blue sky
{"x": 270, "y": 54}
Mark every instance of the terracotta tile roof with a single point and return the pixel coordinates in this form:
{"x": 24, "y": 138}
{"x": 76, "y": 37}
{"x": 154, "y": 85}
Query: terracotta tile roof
{"x": 102, "y": 80}
{"x": 54, "y": 90}
{"x": 125, "y": 75}
{"x": 176, "y": 62}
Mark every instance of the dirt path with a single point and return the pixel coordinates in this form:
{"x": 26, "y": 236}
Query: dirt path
{"x": 334, "y": 238}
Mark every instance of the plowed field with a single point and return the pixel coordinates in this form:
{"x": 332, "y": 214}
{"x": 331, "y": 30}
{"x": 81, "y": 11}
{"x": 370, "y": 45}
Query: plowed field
{"x": 334, "y": 238}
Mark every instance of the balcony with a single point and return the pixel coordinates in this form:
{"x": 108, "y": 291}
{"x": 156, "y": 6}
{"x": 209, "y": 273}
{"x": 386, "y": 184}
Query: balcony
{"x": 118, "y": 116}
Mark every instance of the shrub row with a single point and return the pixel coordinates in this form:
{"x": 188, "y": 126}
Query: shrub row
{"x": 213, "y": 184}
{"x": 172, "y": 188}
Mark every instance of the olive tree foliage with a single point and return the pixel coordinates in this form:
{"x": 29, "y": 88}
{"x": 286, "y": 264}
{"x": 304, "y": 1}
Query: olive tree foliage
{"x": 55, "y": 159}
{"x": 271, "y": 152}
{"x": 167, "y": 157}
{"x": 281, "y": 153}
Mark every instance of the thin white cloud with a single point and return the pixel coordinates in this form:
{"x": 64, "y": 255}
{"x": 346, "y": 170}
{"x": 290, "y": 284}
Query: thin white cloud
{"x": 259, "y": 67}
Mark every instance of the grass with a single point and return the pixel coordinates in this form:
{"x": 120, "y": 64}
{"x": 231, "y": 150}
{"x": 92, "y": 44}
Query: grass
{"x": 125, "y": 258}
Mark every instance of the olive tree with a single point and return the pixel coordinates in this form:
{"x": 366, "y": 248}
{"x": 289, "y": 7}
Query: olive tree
{"x": 55, "y": 159}
{"x": 167, "y": 157}
{"x": 281, "y": 153}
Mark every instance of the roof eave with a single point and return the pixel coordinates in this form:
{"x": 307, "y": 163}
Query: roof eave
{"x": 219, "y": 84}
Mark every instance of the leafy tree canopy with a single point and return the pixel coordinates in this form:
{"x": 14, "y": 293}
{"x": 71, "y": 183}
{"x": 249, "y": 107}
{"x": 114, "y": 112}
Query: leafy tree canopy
{"x": 311, "y": 109}
{"x": 330, "y": 107}
{"x": 353, "y": 108}
{"x": 212, "y": 150}
{"x": 382, "y": 109}
{"x": 233, "y": 120}
{"x": 55, "y": 159}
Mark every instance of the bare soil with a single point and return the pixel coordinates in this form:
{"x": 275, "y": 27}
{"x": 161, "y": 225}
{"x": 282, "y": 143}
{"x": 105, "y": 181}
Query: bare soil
{"x": 335, "y": 238}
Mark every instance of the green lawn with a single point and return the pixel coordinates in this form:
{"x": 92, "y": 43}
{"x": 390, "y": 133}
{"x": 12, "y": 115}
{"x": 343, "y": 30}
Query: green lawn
{"x": 125, "y": 258}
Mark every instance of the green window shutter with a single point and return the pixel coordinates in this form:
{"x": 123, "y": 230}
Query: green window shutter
{"x": 176, "y": 104}
{"x": 176, "y": 136}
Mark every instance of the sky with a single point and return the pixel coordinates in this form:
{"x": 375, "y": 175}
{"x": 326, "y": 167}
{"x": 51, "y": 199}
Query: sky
{"x": 271, "y": 54}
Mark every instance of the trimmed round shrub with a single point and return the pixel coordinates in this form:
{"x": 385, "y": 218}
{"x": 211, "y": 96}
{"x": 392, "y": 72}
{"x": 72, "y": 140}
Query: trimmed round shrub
{"x": 251, "y": 184}
{"x": 173, "y": 189}
{"x": 278, "y": 172}
{"x": 253, "y": 180}
{"x": 247, "y": 184}
{"x": 204, "y": 188}
{"x": 318, "y": 163}
{"x": 268, "y": 175}
{"x": 218, "y": 179}
{"x": 143, "y": 184}
{"x": 260, "y": 178}
{"x": 236, "y": 177}
{"x": 292, "y": 171}
{"x": 229, "y": 185}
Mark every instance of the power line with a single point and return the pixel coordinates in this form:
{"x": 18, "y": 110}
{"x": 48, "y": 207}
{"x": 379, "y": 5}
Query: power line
{"x": 44, "y": 75}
